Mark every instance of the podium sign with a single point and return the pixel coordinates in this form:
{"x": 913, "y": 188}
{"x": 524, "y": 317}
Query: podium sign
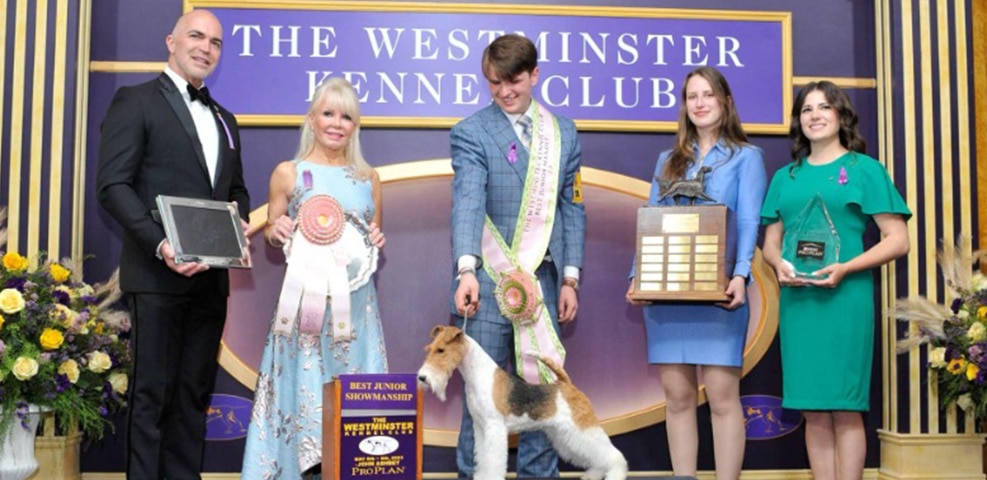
{"x": 680, "y": 253}
{"x": 372, "y": 427}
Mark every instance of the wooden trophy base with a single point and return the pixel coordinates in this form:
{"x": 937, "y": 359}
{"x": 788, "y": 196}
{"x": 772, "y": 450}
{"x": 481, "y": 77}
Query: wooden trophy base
{"x": 680, "y": 253}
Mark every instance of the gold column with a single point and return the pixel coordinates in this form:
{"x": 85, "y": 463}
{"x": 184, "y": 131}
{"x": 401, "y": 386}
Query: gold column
{"x": 926, "y": 133}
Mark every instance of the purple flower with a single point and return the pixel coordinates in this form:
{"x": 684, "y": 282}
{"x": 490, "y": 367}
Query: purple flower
{"x": 512, "y": 153}
{"x": 843, "y": 178}
{"x": 975, "y": 353}
{"x": 981, "y": 377}
{"x": 89, "y": 299}
{"x": 17, "y": 283}
{"x": 955, "y": 306}
{"x": 61, "y": 297}
{"x": 2, "y": 348}
{"x": 62, "y": 383}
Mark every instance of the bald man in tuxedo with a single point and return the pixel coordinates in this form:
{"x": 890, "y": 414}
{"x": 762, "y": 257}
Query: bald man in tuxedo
{"x": 169, "y": 137}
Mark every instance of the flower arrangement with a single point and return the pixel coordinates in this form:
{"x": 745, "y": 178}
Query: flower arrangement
{"x": 60, "y": 345}
{"x": 957, "y": 333}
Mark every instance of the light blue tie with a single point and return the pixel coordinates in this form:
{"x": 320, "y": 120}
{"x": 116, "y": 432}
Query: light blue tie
{"x": 525, "y": 122}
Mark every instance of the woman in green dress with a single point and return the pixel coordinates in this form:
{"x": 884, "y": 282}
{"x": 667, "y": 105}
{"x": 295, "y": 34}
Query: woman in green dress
{"x": 827, "y": 315}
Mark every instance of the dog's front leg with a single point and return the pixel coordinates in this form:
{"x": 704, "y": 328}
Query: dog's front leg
{"x": 490, "y": 449}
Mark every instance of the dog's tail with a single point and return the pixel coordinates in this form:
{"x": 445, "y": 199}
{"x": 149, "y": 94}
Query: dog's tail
{"x": 554, "y": 367}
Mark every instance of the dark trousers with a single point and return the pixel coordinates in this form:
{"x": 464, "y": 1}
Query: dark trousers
{"x": 175, "y": 342}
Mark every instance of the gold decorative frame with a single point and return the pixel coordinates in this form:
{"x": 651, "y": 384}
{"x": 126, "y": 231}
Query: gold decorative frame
{"x": 763, "y": 275}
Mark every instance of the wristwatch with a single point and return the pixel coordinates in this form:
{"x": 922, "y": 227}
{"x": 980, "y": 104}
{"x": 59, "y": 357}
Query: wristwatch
{"x": 572, "y": 282}
{"x": 464, "y": 270}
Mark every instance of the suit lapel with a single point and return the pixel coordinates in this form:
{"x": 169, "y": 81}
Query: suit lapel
{"x": 177, "y": 104}
{"x": 504, "y": 136}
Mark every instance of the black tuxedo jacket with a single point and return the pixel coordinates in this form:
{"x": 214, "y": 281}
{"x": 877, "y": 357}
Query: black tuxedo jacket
{"x": 150, "y": 147}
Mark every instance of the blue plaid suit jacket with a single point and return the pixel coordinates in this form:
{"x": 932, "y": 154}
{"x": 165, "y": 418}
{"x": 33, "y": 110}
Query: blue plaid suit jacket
{"x": 486, "y": 183}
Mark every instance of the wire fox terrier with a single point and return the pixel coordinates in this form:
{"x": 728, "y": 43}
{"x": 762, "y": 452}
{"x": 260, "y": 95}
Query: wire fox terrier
{"x": 502, "y": 403}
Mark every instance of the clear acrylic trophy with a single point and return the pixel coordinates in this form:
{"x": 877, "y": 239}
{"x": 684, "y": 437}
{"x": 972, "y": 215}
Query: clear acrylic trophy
{"x": 811, "y": 242}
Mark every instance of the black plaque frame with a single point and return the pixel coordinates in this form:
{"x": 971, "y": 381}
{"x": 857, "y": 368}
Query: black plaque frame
{"x": 204, "y": 231}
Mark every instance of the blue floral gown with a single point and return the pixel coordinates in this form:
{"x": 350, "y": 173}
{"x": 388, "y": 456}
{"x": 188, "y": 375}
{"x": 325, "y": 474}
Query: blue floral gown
{"x": 285, "y": 434}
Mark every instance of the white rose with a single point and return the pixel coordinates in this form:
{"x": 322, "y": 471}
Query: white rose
{"x": 963, "y": 314}
{"x": 99, "y": 362}
{"x": 24, "y": 368}
{"x": 977, "y": 332}
{"x": 978, "y": 282}
{"x": 70, "y": 369}
{"x": 937, "y": 357}
{"x": 965, "y": 402}
{"x": 119, "y": 382}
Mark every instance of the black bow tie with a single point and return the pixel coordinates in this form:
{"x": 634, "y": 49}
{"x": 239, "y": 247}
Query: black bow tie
{"x": 200, "y": 94}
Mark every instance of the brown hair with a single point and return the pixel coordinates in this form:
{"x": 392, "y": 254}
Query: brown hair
{"x": 850, "y": 136}
{"x": 509, "y": 56}
{"x": 731, "y": 131}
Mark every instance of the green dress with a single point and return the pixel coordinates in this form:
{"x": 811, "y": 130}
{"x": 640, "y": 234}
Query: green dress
{"x": 827, "y": 335}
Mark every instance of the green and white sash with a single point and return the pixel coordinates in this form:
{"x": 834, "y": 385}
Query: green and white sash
{"x": 519, "y": 293}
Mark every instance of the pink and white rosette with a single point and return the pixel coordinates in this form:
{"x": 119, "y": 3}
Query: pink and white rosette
{"x": 316, "y": 270}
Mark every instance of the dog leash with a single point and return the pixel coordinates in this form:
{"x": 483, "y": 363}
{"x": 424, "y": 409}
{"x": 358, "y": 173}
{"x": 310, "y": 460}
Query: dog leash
{"x": 466, "y": 314}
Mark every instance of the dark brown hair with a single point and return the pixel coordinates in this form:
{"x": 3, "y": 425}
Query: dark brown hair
{"x": 731, "y": 131}
{"x": 850, "y": 136}
{"x": 509, "y": 56}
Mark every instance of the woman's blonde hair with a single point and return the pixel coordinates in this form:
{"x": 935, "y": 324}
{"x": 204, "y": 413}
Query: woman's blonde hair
{"x": 338, "y": 92}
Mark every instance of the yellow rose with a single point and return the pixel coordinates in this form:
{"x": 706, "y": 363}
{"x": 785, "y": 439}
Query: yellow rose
{"x": 937, "y": 357}
{"x": 70, "y": 369}
{"x": 59, "y": 273}
{"x": 99, "y": 362}
{"x": 1, "y": 322}
{"x": 51, "y": 339}
{"x": 119, "y": 382}
{"x": 971, "y": 371}
{"x": 982, "y": 312}
{"x": 956, "y": 366}
{"x": 24, "y": 368}
{"x": 977, "y": 332}
{"x": 11, "y": 301}
{"x": 13, "y": 262}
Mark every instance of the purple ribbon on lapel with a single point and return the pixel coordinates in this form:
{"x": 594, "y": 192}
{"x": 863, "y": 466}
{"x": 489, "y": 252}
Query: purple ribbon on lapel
{"x": 226, "y": 129}
{"x": 512, "y": 153}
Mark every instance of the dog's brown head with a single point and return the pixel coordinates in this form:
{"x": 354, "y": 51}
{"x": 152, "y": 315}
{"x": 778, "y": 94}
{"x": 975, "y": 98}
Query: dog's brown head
{"x": 442, "y": 356}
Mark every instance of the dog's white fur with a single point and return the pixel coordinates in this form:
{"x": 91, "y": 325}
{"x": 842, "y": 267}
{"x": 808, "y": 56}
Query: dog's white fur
{"x": 501, "y": 403}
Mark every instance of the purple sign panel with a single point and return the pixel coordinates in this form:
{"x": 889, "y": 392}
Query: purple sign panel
{"x": 378, "y": 436}
{"x": 379, "y": 391}
{"x": 418, "y": 64}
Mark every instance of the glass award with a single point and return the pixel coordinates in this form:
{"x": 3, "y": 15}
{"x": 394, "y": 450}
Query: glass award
{"x": 811, "y": 242}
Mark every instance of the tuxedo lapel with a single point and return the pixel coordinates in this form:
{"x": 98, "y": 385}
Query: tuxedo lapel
{"x": 177, "y": 104}
{"x": 225, "y": 141}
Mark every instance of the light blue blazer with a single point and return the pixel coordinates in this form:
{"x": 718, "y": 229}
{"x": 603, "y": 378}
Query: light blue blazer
{"x": 486, "y": 183}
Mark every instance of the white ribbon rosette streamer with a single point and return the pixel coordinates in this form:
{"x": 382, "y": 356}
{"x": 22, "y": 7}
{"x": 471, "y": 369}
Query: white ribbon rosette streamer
{"x": 328, "y": 256}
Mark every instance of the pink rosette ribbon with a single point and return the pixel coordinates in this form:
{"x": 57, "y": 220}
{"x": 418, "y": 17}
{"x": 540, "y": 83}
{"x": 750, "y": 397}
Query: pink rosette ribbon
{"x": 321, "y": 220}
{"x": 314, "y": 274}
{"x": 518, "y": 297}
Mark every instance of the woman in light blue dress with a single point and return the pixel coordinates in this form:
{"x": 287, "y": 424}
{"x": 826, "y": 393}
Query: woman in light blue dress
{"x": 684, "y": 336}
{"x": 285, "y": 435}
